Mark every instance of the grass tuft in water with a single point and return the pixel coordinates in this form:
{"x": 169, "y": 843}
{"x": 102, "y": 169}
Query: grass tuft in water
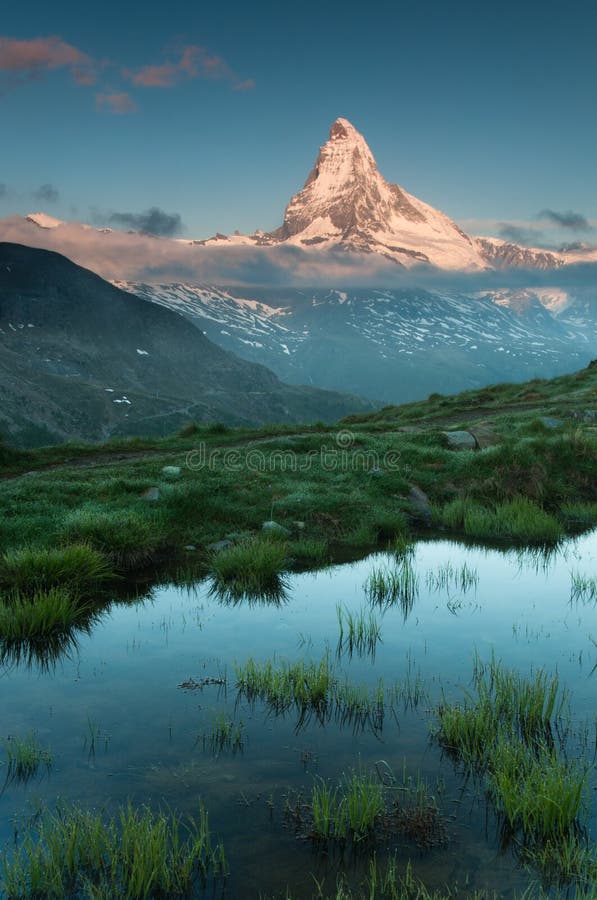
{"x": 76, "y": 567}
{"x": 507, "y": 730}
{"x": 139, "y": 853}
{"x": 24, "y": 758}
{"x": 311, "y": 689}
{"x": 398, "y": 583}
{"x": 359, "y": 632}
{"x": 449, "y": 577}
{"x": 224, "y": 734}
{"x": 39, "y": 617}
{"x": 252, "y": 568}
{"x": 583, "y": 588}
{"x": 349, "y": 811}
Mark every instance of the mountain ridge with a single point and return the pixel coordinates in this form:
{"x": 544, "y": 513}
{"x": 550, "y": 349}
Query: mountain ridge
{"x": 81, "y": 358}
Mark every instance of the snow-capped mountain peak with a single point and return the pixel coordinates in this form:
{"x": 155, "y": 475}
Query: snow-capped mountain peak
{"x": 43, "y": 220}
{"x": 346, "y": 201}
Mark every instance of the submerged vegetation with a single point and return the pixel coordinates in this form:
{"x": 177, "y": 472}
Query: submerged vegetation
{"x": 364, "y": 806}
{"x": 25, "y": 757}
{"x": 509, "y": 731}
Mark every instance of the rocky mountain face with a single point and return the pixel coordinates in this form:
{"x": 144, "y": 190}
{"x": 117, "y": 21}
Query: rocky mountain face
{"x": 391, "y": 345}
{"x": 344, "y": 206}
{"x": 80, "y": 358}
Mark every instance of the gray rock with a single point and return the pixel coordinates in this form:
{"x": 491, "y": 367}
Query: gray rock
{"x": 190, "y": 548}
{"x": 420, "y": 505}
{"x": 461, "y": 440}
{"x": 485, "y": 436}
{"x": 274, "y": 528}
{"x": 171, "y": 471}
{"x": 219, "y": 545}
{"x": 152, "y": 493}
{"x": 550, "y": 422}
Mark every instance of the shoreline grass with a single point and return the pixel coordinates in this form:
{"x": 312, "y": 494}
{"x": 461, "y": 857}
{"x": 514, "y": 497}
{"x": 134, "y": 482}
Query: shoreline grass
{"x": 76, "y": 567}
{"x": 252, "y": 568}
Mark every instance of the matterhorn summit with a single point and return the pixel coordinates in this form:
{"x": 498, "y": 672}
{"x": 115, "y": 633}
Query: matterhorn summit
{"x": 347, "y": 202}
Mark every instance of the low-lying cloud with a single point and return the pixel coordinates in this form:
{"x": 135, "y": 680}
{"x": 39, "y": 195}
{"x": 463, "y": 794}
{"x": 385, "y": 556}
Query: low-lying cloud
{"x": 153, "y": 221}
{"x": 518, "y": 234}
{"x": 572, "y": 220}
{"x": 141, "y": 257}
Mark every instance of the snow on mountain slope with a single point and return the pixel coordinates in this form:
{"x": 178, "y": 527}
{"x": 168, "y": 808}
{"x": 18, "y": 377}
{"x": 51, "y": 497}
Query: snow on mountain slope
{"x": 389, "y": 345}
{"x": 347, "y": 220}
{"x": 346, "y": 203}
{"x": 43, "y": 220}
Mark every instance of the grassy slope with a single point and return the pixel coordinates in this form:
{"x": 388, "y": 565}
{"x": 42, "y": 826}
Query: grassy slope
{"x": 76, "y": 493}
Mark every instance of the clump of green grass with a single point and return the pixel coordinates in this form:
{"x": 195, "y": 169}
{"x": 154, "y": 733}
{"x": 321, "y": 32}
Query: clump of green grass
{"x": 506, "y": 731}
{"x": 579, "y": 515}
{"x": 565, "y": 860}
{"x": 583, "y": 588}
{"x": 41, "y": 616}
{"x": 449, "y": 577}
{"x": 365, "y": 806}
{"x": 516, "y": 519}
{"x": 126, "y": 537}
{"x": 224, "y": 734}
{"x": 311, "y": 689}
{"x": 309, "y": 550}
{"x": 252, "y": 567}
{"x": 363, "y": 631}
{"x": 535, "y": 790}
{"x": 306, "y": 685}
{"x": 76, "y": 567}
{"x": 396, "y": 583}
{"x": 139, "y": 853}
{"x": 349, "y": 811}
{"x": 25, "y": 756}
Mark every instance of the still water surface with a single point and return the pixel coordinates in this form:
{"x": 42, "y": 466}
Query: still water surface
{"x": 123, "y": 685}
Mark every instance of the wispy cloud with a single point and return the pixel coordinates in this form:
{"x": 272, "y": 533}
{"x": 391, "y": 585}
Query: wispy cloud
{"x": 519, "y": 234}
{"x": 24, "y": 60}
{"x": 194, "y": 62}
{"x": 574, "y": 221}
{"x": 153, "y": 221}
{"x": 46, "y": 193}
{"x": 117, "y": 102}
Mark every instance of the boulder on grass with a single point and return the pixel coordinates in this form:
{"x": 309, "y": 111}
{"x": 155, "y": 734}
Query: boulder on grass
{"x": 461, "y": 440}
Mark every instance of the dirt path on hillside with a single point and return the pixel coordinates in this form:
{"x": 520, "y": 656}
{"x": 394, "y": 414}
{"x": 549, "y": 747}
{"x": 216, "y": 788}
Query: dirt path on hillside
{"x": 105, "y": 458}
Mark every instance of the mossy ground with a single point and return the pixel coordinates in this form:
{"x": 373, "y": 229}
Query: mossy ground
{"x": 343, "y": 485}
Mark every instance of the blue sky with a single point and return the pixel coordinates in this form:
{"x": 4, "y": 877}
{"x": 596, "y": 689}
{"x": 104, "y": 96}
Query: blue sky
{"x": 215, "y": 113}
